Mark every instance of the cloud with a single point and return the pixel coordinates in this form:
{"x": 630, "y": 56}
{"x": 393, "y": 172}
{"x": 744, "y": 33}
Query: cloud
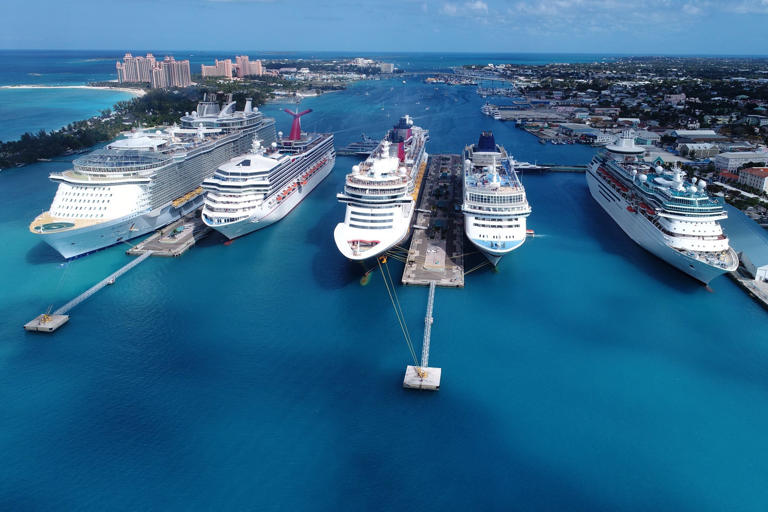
{"x": 450, "y": 9}
{"x": 477, "y": 5}
{"x": 467, "y": 8}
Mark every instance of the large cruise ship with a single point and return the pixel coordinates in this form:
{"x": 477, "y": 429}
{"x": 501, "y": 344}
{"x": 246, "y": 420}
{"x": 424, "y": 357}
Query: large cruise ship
{"x": 381, "y": 193}
{"x": 669, "y": 216}
{"x": 143, "y": 182}
{"x": 259, "y": 188}
{"x": 495, "y": 205}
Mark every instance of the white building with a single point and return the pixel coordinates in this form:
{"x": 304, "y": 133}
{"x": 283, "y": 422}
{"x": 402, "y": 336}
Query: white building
{"x": 733, "y": 160}
{"x": 755, "y": 177}
{"x": 386, "y": 67}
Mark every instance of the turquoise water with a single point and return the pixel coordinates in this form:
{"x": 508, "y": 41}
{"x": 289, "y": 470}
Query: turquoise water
{"x": 49, "y": 109}
{"x": 32, "y": 110}
{"x": 584, "y": 375}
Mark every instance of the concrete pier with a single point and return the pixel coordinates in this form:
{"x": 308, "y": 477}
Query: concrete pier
{"x": 436, "y": 253}
{"x": 175, "y": 239}
{"x": 46, "y": 323}
{"x": 424, "y": 377}
{"x": 49, "y": 323}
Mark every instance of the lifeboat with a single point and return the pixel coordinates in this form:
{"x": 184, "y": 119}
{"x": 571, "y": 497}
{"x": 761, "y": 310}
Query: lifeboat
{"x": 631, "y": 209}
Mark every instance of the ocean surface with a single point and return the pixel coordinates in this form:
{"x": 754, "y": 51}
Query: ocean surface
{"x": 583, "y": 375}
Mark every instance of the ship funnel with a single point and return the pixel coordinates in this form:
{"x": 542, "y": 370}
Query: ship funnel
{"x": 248, "y": 105}
{"x": 401, "y": 151}
{"x": 296, "y": 125}
{"x": 486, "y": 143}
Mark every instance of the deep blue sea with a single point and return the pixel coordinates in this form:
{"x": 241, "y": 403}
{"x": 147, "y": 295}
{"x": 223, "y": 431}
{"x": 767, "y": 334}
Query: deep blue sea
{"x": 583, "y": 375}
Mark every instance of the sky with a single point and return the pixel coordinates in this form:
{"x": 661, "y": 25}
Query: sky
{"x": 485, "y": 26}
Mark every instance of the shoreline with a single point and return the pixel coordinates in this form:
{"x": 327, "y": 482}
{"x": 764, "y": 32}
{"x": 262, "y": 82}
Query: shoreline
{"x": 136, "y": 92}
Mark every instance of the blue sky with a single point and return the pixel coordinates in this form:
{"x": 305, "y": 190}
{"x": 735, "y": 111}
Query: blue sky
{"x": 589, "y": 26}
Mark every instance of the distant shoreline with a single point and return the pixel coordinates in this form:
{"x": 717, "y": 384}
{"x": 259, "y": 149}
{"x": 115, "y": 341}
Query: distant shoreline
{"x": 135, "y": 92}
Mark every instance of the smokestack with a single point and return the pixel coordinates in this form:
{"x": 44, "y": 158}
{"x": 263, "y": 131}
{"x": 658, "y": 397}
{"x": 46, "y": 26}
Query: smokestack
{"x": 296, "y": 125}
{"x": 248, "y": 105}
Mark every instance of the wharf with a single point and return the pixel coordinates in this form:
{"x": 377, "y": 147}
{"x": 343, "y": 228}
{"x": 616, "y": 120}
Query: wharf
{"x": 174, "y": 239}
{"x": 564, "y": 168}
{"x": 436, "y": 252}
{"x": 755, "y": 289}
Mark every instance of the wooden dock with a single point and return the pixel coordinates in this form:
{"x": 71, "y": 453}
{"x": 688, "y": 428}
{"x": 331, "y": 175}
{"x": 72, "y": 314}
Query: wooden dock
{"x": 436, "y": 253}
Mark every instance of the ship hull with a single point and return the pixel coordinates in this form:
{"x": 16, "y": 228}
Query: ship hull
{"x": 344, "y": 235}
{"x": 268, "y": 215}
{"x": 645, "y": 234}
{"x": 495, "y": 250}
{"x": 78, "y": 242}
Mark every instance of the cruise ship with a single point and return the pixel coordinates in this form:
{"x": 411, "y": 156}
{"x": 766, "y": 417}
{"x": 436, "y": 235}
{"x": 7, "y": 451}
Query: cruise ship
{"x": 495, "y": 205}
{"x": 146, "y": 180}
{"x": 381, "y": 193}
{"x": 661, "y": 210}
{"x": 259, "y": 188}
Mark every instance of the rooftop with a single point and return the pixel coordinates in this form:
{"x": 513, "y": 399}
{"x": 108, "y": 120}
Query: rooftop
{"x": 760, "y": 172}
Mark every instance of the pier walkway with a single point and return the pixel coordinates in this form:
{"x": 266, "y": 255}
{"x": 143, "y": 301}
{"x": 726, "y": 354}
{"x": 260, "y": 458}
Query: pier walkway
{"x": 110, "y": 279}
{"x": 436, "y": 253}
{"x": 50, "y": 322}
{"x": 424, "y": 377}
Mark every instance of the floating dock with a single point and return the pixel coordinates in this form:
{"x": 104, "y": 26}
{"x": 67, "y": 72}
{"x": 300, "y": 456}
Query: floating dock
{"x": 175, "y": 239}
{"x": 436, "y": 253}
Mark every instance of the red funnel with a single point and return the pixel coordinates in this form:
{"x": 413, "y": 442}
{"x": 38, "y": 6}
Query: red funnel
{"x": 296, "y": 125}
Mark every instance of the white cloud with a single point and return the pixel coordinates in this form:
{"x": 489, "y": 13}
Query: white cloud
{"x": 450, "y": 9}
{"x": 465, "y": 9}
{"x": 477, "y": 5}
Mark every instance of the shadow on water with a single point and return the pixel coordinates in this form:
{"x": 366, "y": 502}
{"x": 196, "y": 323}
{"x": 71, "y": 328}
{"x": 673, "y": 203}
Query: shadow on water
{"x": 42, "y": 253}
{"x": 212, "y": 239}
{"x": 612, "y": 239}
{"x": 128, "y": 422}
{"x": 330, "y": 269}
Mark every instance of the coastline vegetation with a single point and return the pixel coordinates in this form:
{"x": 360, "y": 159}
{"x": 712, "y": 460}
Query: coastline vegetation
{"x": 157, "y": 107}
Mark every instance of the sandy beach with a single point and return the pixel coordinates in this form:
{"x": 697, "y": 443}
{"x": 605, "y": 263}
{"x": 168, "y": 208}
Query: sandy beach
{"x": 135, "y": 92}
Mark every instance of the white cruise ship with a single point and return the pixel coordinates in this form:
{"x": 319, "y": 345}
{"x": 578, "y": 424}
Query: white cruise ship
{"x": 147, "y": 180}
{"x": 381, "y": 193}
{"x": 495, "y": 205}
{"x": 259, "y": 188}
{"x": 667, "y": 215}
